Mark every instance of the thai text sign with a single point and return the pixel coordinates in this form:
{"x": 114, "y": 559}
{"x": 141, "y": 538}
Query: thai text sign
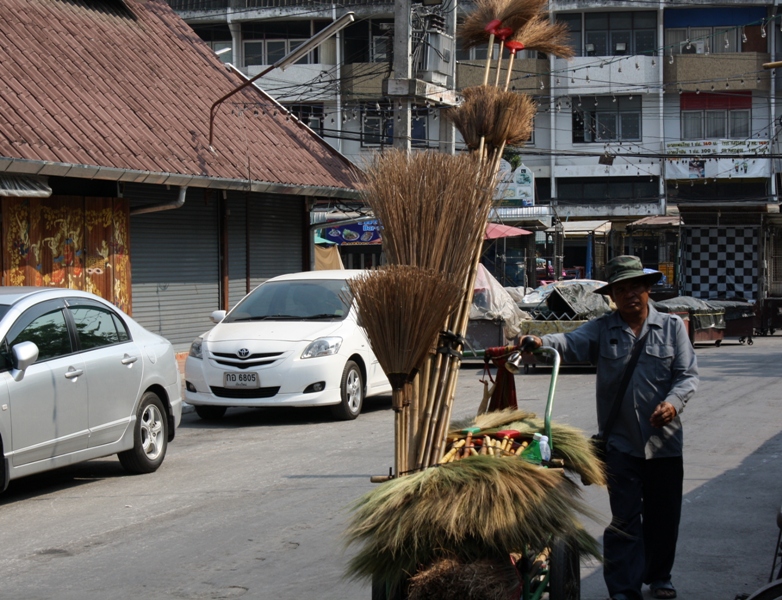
{"x": 719, "y": 159}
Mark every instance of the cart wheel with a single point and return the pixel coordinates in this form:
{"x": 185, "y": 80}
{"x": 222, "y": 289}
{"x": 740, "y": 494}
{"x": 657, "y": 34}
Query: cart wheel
{"x": 717, "y": 343}
{"x": 772, "y": 591}
{"x": 381, "y": 592}
{"x": 564, "y": 571}
{"x": 750, "y": 341}
{"x": 741, "y": 340}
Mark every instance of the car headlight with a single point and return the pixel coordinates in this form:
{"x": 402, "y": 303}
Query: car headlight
{"x": 195, "y": 348}
{"x": 325, "y": 346}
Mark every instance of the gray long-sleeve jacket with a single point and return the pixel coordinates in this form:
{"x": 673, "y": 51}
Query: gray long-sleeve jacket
{"x": 666, "y": 371}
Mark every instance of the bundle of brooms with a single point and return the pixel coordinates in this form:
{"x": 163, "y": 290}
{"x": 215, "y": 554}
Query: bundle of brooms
{"x": 480, "y": 508}
{"x": 433, "y": 208}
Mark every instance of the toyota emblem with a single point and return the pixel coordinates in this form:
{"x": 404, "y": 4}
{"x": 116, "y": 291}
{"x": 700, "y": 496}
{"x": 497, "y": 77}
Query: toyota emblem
{"x": 243, "y": 353}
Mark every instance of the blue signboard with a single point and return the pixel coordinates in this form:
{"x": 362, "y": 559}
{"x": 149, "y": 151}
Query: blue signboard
{"x": 366, "y": 232}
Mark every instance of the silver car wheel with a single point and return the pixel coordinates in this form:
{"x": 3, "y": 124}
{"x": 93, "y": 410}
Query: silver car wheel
{"x": 353, "y": 390}
{"x": 151, "y": 428}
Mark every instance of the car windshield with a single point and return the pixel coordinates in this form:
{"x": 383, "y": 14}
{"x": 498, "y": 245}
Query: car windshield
{"x": 295, "y": 300}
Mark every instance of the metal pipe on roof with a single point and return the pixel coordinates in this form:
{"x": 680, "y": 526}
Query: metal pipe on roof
{"x": 178, "y": 203}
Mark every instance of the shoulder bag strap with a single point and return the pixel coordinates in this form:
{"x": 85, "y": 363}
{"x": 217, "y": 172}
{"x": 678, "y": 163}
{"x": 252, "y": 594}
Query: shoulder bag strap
{"x": 620, "y": 394}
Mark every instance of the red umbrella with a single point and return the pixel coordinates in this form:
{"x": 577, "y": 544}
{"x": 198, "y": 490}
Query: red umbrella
{"x": 496, "y": 230}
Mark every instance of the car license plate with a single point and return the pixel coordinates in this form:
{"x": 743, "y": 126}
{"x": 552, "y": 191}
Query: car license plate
{"x": 241, "y": 380}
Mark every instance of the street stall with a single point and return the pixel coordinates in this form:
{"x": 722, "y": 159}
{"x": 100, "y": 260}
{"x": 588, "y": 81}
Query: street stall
{"x": 655, "y": 240}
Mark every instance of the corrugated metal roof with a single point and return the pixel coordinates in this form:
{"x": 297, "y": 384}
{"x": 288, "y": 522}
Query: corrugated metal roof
{"x": 128, "y": 86}
{"x": 656, "y": 221}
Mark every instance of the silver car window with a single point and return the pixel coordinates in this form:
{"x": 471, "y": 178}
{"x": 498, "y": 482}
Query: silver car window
{"x": 49, "y": 332}
{"x": 95, "y": 327}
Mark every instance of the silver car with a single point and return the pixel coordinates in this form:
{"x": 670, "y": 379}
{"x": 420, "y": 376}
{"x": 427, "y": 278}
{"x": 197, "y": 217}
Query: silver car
{"x": 81, "y": 380}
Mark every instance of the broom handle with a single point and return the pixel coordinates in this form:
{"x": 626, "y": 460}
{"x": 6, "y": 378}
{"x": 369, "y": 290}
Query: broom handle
{"x": 499, "y": 67}
{"x": 426, "y": 412}
{"x": 510, "y": 70}
{"x": 397, "y": 400}
{"x": 433, "y": 408}
{"x": 448, "y": 382}
{"x": 461, "y": 329}
{"x": 489, "y": 56}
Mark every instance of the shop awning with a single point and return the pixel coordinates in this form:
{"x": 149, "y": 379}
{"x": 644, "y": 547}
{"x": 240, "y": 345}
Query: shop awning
{"x": 498, "y": 230}
{"x": 23, "y": 186}
{"x": 582, "y": 228}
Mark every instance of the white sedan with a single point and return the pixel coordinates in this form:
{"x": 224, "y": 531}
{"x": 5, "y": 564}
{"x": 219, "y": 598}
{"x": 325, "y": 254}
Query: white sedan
{"x": 293, "y": 341}
{"x": 81, "y": 380}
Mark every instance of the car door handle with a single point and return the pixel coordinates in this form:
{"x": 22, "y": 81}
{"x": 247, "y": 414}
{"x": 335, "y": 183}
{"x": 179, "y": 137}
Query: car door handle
{"x": 73, "y": 373}
{"x": 127, "y": 360}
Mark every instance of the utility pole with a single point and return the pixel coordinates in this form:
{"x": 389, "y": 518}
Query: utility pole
{"x": 402, "y": 70}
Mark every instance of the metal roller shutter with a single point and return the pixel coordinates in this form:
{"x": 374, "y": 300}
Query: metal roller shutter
{"x": 237, "y": 253}
{"x": 174, "y": 263}
{"x": 275, "y": 236}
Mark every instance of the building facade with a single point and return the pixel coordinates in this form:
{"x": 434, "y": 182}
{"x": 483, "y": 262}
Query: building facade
{"x": 662, "y": 111}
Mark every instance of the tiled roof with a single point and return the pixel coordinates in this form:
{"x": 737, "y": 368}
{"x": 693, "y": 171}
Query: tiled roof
{"x": 128, "y": 88}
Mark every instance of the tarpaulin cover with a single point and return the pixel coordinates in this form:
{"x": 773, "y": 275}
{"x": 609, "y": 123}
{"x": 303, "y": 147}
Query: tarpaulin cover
{"x": 534, "y": 298}
{"x": 491, "y": 301}
{"x": 702, "y": 314}
{"x": 735, "y": 309}
{"x": 577, "y": 302}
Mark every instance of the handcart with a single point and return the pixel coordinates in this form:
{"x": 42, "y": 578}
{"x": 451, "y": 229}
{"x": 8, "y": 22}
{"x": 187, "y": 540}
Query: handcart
{"x": 555, "y": 568}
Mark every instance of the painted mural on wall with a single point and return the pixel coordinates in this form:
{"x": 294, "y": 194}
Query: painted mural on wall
{"x": 73, "y": 242}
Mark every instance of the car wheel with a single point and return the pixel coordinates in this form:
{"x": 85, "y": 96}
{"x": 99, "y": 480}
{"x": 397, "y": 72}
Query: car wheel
{"x": 150, "y": 437}
{"x": 352, "y": 392}
{"x": 210, "y": 413}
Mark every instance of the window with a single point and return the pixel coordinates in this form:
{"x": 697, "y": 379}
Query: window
{"x": 613, "y": 34}
{"x": 377, "y": 126}
{"x": 381, "y": 48}
{"x": 268, "y": 52}
{"x": 606, "y": 119}
{"x": 607, "y": 189}
{"x": 702, "y": 40}
{"x": 95, "y": 327}
{"x": 223, "y": 50}
{"x": 715, "y": 124}
{"x": 309, "y": 114}
{"x": 49, "y": 332}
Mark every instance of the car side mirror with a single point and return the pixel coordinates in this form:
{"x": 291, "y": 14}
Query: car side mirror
{"x": 217, "y": 316}
{"x": 25, "y": 354}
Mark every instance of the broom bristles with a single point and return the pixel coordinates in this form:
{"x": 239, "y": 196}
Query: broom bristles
{"x": 402, "y": 309}
{"x": 512, "y": 13}
{"x": 476, "y": 508}
{"x": 544, "y": 36}
{"x": 499, "y": 117}
{"x": 428, "y": 203}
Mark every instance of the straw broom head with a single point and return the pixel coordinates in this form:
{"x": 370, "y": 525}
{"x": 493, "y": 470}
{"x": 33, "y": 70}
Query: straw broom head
{"x": 512, "y": 13}
{"x": 540, "y": 34}
{"x": 429, "y": 203}
{"x": 477, "y": 508}
{"x": 498, "y": 116}
{"x": 449, "y": 578}
{"x": 402, "y": 309}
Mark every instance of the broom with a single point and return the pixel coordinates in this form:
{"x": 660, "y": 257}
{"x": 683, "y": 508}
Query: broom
{"x": 477, "y": 508}
{"x": 429, "y": 203}
{"x": 401, "y": 309}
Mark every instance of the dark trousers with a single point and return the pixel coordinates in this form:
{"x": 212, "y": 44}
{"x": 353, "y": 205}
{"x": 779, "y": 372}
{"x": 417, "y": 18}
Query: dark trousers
{"x": 646, "y": 502}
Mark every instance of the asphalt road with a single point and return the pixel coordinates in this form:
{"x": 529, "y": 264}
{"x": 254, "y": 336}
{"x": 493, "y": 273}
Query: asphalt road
{"x": 255, "y": 505}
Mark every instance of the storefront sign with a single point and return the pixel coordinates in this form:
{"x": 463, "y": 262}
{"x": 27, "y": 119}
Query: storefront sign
{"x": 366, "y": 232}
{"x": 516, "y": 187}
{"x": 703, "y": 159}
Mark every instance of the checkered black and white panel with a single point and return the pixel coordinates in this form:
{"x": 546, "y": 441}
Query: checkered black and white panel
{"x": 720, "y": 262}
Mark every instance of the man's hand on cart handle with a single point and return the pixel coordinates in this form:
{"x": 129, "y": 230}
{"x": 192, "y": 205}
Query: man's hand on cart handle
{"x": 530, "y": 343}
{"x": 663, "y": 414}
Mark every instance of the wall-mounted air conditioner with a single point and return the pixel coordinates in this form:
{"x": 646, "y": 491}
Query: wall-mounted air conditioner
{"x": 696, "y": 47}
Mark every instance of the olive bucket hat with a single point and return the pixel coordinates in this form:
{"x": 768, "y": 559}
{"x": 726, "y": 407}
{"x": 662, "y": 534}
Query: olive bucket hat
{"x": 622, "y": 268}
